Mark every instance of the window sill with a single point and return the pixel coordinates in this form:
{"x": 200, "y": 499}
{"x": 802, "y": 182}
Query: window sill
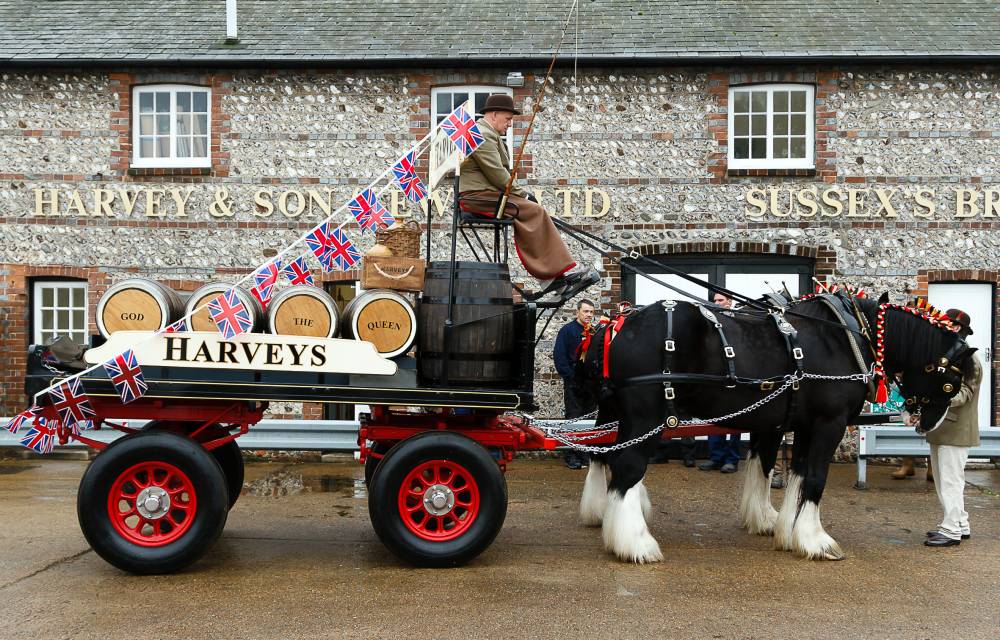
{"x": 771, "y": 173}
{"x": 170, "y": 171}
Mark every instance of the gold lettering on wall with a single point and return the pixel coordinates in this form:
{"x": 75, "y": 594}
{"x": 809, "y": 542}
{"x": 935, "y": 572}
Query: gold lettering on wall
{"x": 871, "y": 203}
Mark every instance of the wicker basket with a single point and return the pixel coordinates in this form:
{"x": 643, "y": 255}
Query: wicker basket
{"x": 403, "y": 239}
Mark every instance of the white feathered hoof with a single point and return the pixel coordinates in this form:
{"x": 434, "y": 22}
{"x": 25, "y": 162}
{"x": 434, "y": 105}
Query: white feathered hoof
{"x": 625, "y": 533}
{"x": 594, "y": 500}
{"x": 810, "y": 540}
{"x": 786, "y": 516}
{"x": 757, "y": 515}
{"x": 647, "y": 506}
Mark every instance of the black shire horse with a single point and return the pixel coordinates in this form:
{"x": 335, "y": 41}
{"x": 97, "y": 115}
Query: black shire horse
{"x": 921, "y": 353}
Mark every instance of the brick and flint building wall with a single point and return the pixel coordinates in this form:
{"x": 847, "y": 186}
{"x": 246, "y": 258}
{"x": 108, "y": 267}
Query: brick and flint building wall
{"x": 900, "y": 189}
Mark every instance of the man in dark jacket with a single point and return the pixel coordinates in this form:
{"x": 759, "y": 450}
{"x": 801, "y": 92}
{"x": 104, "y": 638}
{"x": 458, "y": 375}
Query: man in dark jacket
{"x": 565, "y": 353}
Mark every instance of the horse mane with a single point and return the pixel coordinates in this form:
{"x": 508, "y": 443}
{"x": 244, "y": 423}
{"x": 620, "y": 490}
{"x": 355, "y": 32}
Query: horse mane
{"x": 914, "y": 335}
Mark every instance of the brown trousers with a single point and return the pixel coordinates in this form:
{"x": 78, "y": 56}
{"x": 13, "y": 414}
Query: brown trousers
{"x": 536, "y": 239}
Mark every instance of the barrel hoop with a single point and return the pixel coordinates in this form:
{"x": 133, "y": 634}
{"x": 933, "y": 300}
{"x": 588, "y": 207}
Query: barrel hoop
{"x": 468, "y": 300}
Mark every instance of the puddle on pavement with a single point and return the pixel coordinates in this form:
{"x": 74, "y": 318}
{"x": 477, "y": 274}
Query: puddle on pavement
{"x": 279, "y": 484}
{"x": 10, "y": 469}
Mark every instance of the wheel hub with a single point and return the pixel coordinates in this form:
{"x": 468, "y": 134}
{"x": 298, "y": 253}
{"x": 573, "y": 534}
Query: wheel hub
{"x": 152, "y": 503}
{"x": 439, "y": 499}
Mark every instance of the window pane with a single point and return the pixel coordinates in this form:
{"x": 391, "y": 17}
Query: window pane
{"x": 798, "y": 147}
{"x": 78, "y": 297}
{"x": 62, "y": 320}
{"x": 146, "y": 148}
{"x": 460, "y": 98}
{"x": 48, "y": 296}
{"x": 62, "y": 297}
{"x": 480, "y": 100}
{"x": 444, "y": 104}
{"x": 741, "y": 101}
{"x": 184, "y": 125}
{"x": 184, "y": 147}
{"x": 741, "y": 149}
{"x": 759, "y": 125}
{"x": 184, "y": 101}
{"x": 799, "y": 125}
{"x": 741, "y": 125}
{"x": 759, "y": 101}
{"x": 145, "y": 102}
{"x": 780, "y": 101}
{"x": 201, "y": 101}
{"x": 47, "y": 318}
{"x": 145, "y": 125}
{"x": 780, "y": 125}
{"x": 162, "y": 102}
{"x": 200, "y": 147}
{"x": 798, "y": 100}
{"x": 78, "y": 320}
{"x": 79, "y": 338}
{"x": 162, "y": 124}
{"x": 758, "y": 148}
{"x": 781, "y": 147}
{"x": 201, "y": 124}
{"x": 163, "y": 147}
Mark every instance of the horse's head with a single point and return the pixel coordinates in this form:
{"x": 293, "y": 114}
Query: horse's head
{"x": 927, "y": 391}
{"x": 588, "y": 379}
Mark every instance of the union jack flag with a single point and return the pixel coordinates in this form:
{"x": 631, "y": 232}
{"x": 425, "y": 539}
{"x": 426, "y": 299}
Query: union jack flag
{"x": 230, "y": 315}
{"x": 263, "y": 295}
{"x": 297, "y": 272}
{"x": 71, "y": 402}
{"x": 369, "y": 212}
{"x": 407, "y": 179}
{"x": 40, "y": 437}
{"x": 319, "y": 240}
{"x": 267, "y": 275}
{"x": 126, "y": 375}
{"x": 340, "y": 252}
{"x": 463, "y": 131}
{"x": 79, "y": 427}
{"x": 180, "y": 325}
{"x": 21, "y": 419}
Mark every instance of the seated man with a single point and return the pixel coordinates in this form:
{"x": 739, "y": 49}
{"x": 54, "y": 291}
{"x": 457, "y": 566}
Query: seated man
{"x": 483, "y": 179}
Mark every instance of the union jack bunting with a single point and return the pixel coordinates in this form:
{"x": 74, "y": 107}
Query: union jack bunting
{"x": 40, "y": 437}
{"x": 71, "y": 402}
{"x": 263, "y": 295}
{"x": 180, "y": 325}
{"x": 297, "y": 272}
{"x": 230, "y": 315}
{"x": 318, "y": 241}
{"x": 80, "y": 427}
{"x": 21, "y": 419}
{"x": 126, "y": 375}
{"x": 267, "y": 275}
{"x": 463, "y": 131}
{"x": 407, "y": 179}
{"x": 369, "y": 212}
{"x": 341, "y": 254}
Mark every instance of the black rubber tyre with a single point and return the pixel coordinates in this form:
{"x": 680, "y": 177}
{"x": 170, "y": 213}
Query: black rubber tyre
{"x": 230, "y": 460}
{"x": 408, "y": 528}
{"x": 372, "y": 463}
{"x": 138, "y": 548}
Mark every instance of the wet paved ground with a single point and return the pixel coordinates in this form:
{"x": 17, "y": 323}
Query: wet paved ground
{"x": 298, "y": 559}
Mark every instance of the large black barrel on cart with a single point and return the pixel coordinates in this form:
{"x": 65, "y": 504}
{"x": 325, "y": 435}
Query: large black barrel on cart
{"x": 478, "y": 348}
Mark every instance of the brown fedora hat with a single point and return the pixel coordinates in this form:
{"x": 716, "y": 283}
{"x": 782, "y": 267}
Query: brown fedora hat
{"x": 500, "y": 102}
{"x": 960, "y": 318}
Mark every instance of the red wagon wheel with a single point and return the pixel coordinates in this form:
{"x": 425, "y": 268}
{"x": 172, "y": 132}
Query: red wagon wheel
{"x": 152, "y": 504}
{"x": 438, "y": 499}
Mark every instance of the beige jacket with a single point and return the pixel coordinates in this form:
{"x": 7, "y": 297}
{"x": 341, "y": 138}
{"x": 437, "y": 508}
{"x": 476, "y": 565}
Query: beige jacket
{"x": 486, "y": 168}
{"x": 961, "y": 424}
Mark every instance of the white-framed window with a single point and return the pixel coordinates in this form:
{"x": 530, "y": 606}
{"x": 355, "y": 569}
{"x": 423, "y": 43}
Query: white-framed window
{"x": 171, "y": 126}
{"x": 60, "y": 309}
{"x": 771, "y": 126}
{"x": 445, "y": 99}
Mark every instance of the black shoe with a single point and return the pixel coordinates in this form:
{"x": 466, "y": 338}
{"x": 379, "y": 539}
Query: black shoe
{"x": 573, "y": 460}
{"x": 935, "y": 532}
{"x": 567, "y": 285}
{"x": 729, "y": 467}
{"x": 711, "y": 465}
{"x": 688, "y": 462}
{"x": 941, "y": 540}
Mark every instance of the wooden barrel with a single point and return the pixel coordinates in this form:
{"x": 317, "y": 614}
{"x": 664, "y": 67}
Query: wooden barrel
{"x": 384, "y": 318}
{"x": 137, "y": 304}
{"x": 481, "y": 352}
{"x": 202, "y": 321}
{"x": 303, "y": 311}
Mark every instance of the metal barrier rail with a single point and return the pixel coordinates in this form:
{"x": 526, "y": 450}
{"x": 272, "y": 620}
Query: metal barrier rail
{"x": 896, "y": 440}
